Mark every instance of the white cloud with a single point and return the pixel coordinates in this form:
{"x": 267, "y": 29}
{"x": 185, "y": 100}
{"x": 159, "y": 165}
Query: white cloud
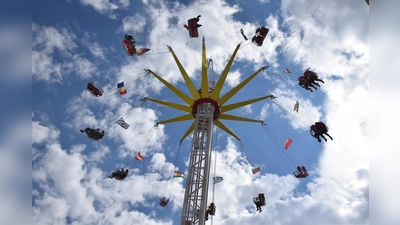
{"x": 133, "y": 24}
{"x": 233, "y": 79}
{"x": 42, "y": 133}
{"x": 102, "y": 6}
{"x": 107, "y": 7}
{"x": 81, "y": 66}
{"x": 97, "y": 51}
{"x": 49, "y": 43}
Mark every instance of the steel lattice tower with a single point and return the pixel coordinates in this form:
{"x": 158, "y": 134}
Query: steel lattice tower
{"x": 195, "y": 205}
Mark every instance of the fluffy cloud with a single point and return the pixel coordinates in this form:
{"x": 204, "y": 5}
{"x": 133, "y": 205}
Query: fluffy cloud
{"x": 133, "y": 24}
{"x": 48, "y": 45}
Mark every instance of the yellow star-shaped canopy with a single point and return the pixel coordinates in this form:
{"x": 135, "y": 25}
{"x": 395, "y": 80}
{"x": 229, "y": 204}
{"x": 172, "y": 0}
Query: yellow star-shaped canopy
{"x": 207, "y": 95}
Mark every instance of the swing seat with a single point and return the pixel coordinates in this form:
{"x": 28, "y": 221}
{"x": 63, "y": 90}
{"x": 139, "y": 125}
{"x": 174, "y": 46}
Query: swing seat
{"x": 95, "y": 135}
{"x": 129, "y": 48}
{"x": 94, "y": 90}
{"x": 212, "y": 212}
{"x": 259, "y": 200}
{"x": 193, "y": 32}
{"x": 260, "y": 35}
{"x": 262, "y": 202}
{"x": 164, "y": 201}
{"x": 301, "y": 172}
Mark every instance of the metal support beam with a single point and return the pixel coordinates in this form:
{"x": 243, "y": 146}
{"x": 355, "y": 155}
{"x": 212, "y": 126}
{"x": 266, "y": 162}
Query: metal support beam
{"x": 196, "y": 193}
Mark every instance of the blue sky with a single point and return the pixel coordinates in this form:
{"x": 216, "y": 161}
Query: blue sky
{"x": 74, "y": 42}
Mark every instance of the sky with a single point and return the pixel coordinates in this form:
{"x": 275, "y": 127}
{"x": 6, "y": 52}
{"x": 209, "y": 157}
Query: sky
{"x": 74, "y": 42}
{"x": 77, "y": 41}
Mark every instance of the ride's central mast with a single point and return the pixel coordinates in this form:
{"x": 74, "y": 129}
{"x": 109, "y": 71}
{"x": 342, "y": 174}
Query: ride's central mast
{"x": 196, "y": 193}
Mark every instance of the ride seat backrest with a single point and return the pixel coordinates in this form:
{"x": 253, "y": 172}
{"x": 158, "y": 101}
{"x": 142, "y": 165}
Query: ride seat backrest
{"x": 193, "y": 27}
{"x": 321, "y": 127}
{"x": 262, "y": 200}
{"x": 314, "y": 128}
{"x": 259, "y": 38}
{"x": 313, "y": 76}
{"x": 299, "y": 169}
{"x": 304, "y": 170}
{"x": 264, "y": 32}
{"x": 212, "y": 210}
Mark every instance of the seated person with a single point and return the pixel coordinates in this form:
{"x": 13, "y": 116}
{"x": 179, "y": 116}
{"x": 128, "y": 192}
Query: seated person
{"x": 210, "y": 210}
{"x": 119, "y": 174}
{"x": 258, "y": 203}
{"x": 164, "y": 201}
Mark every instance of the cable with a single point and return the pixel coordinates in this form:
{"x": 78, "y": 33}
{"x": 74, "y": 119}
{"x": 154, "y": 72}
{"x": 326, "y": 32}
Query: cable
{"x": 215, "y": 164}
{"x": 250, "y": 167}
{"x": 247, "y": 162}
{"x": 144, "y": 143}
{"x": 276, "y": 142}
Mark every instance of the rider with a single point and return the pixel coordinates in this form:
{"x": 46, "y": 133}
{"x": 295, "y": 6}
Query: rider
{"x": 258, "y": 203}
{"x": 323, "y": 130}
{"x": 305, "y": 83}
{"x": 311, "y": 75}
{"x": 315, "y": 132}
{"x": 197, "y": 20}
{"x": 319, "y": 129}
{"x": 210, "y": 210}
{"x": 164, "y": 201}
{"x": 119, "y": 174}
{"x": 131, "y": 40}
{"x": 94, "y": 133}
